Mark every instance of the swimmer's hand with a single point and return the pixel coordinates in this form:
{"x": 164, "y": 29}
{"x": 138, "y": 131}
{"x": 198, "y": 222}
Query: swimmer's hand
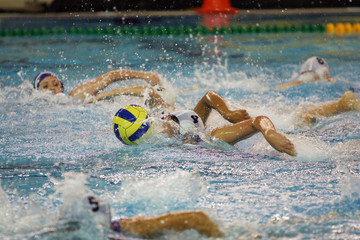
{"x": 280, "y": 142}
{"x": 236, "y": 116}
{"x": 152, "y": 78}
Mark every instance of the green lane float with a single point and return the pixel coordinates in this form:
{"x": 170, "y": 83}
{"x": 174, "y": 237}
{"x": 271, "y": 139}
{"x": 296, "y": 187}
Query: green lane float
{"x": 338, "y": 29}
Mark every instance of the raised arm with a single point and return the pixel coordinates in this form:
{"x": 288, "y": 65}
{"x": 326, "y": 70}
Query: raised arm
{"x": 243, "y": 126}
{"x": 212, "y": 100}
{"x": 179, "y": 221}
{"x": 93, "y": 87}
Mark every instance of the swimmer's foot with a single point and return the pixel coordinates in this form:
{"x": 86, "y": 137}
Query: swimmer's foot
{"x": 237, "y": 116}
{"x": 349, "y": 101}
{"x": 280, "y": 142}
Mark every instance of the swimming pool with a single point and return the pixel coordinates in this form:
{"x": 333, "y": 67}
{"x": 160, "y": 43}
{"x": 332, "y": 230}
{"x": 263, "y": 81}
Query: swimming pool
{"x": 54, "y": 148}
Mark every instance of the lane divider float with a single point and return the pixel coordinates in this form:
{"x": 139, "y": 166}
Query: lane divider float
{"x": 342, "y": 29}
{"x": 339, "y": 29}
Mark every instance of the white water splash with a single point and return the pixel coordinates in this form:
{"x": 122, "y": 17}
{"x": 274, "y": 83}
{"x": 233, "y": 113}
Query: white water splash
{"x": 22, "y": 218}
{"x": 161, "y": 193}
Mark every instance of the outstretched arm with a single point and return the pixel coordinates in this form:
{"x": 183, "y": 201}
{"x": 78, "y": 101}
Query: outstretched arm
{"x": 212, "y": 100}
{"x": 93, "y": 87}
{"x": 155, "y": 100}
{"x": 288, "y": 85}
{"x": 178, "y": 221}
{"x": 302, "y": 78}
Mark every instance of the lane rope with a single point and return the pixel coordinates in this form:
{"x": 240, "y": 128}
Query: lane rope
{"x": 339, "y": 29}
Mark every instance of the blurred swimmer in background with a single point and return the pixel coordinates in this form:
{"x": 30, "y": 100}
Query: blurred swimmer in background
{"x": 148, "y": 226}
{"x": 314, "y": 69}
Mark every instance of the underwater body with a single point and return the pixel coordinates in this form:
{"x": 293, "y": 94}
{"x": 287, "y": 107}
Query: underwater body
{"x": 55, "y": 149}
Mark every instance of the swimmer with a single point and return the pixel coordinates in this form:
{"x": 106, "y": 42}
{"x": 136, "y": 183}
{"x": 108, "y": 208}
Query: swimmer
{"x": 314, "y": 69}
{"x": 187, "y": 123}
{"x": 48, "y": 81}
{"x": 153, "y": 226}
{"x": 348, "y": 102}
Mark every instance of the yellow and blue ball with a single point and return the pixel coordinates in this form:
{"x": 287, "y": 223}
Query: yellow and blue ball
{"x": 131, "y": 124}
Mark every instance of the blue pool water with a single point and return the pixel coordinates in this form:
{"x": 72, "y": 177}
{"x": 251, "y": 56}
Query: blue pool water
{"x": 55, "y": 149}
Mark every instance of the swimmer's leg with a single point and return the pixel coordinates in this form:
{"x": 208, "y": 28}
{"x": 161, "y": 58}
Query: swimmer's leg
{"x": 245, "y": 129}
{"x": 347, "y": 102}
{"x": 212, "y": 100}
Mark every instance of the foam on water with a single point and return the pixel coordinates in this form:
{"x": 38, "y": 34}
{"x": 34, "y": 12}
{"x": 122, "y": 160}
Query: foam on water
{"x": 159, "y": 194}
{"x": 20, "y": 219}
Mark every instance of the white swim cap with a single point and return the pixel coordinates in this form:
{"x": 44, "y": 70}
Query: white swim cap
{"x": 189, "y": 122}
{"x": 317, "y": 65}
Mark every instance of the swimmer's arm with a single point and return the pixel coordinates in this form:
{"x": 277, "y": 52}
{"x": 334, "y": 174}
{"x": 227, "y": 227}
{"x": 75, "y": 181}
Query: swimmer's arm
{"x": 297, "y": 82}
{"x": 155, "y": 98}
{"x": 212, "y": 100}
{"x": 98, "y": 84}
{"x": 308, "y": 76}
{"x": 179, "y": 221}
{"x": 289, "y": 84}
{"x": 347, "y": 102}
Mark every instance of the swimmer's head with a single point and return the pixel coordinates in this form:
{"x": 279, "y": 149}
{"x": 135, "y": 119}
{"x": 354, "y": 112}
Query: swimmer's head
{"x": 100, "y": 208}
{"x": 318, "y": 66}
{"x": 189, "y": 129}
{"x": 48, "y": 81}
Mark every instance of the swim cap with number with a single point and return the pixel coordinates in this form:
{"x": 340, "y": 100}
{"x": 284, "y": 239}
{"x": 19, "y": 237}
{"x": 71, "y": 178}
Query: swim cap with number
{"x": 317, "y": 65}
